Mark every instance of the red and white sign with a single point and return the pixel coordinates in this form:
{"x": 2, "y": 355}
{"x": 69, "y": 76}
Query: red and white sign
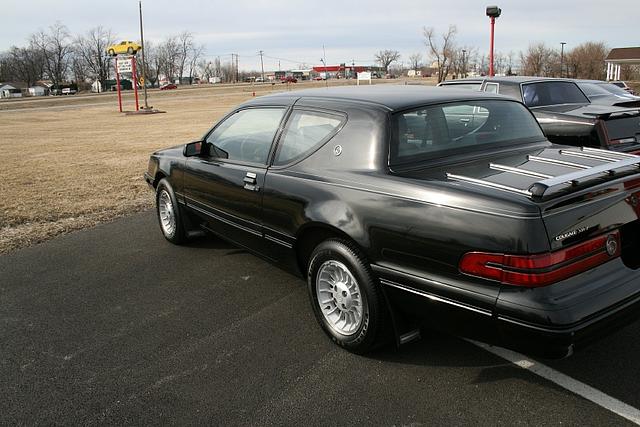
{"x": 124, "y": 66}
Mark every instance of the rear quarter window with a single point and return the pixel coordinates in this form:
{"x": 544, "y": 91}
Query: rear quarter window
{"x": 305, "y": 131}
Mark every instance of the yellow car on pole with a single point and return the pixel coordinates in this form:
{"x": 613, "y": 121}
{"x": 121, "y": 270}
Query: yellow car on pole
{"x": 124, "y": 47}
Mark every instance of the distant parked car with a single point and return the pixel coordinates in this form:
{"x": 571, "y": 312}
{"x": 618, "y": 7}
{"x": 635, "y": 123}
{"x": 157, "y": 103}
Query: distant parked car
{"x": 624, "y": 86}
{"x": 168, "y": 86}
{"x": 69, "y": 91}
{"x": 566, "y": 114}
{"x": 606, "y": 93}
{"x": 289, "y": 79}
{"x": 124, "y": 47}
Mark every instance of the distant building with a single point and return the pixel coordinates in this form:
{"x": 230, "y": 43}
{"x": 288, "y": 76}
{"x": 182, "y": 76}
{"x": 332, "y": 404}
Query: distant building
{"x": 37, "y": 91}
{"x": 345, "y": 71}
{"x": 8, "y": 91}
{"x": 621, "y": 56}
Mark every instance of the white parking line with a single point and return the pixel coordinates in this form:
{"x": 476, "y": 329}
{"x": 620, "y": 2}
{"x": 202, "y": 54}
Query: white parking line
{"x": 575, "y": 386}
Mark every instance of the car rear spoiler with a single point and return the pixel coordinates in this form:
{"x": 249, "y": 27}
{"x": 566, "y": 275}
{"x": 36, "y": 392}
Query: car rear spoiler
{"x": 619, "y": 111}
{"x": 614, "y": 164}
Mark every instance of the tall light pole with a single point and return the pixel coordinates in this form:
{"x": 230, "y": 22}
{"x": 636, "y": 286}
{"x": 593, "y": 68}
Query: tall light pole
{"x": 492, "y": 12}
{"x": 464, "y": 68}
{"x": 561, "y": 56}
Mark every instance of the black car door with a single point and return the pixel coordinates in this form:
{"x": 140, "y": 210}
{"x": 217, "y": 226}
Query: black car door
{"x": 225, "y": 185}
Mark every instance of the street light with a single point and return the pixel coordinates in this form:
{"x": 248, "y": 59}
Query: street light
{"x": 492, "y": 12}
{"x": 561, "y": 56}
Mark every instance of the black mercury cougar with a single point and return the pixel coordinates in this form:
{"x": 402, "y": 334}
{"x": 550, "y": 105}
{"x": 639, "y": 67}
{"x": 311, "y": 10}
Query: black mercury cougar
{"x": 398, "y": 207}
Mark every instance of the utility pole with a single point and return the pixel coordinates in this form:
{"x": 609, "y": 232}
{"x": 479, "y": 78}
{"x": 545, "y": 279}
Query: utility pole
{"x": 144, "y": 64}
{"x": 464, "y": 67}
{"x": 561, "y": 56}
{"x": 324, "y": 61}
{"x": 262, "y": 65}
{"x": 233, "y": 72}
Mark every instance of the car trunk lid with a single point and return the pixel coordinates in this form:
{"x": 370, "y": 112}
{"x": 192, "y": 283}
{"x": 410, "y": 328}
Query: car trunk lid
{"x": 581, "y": 192}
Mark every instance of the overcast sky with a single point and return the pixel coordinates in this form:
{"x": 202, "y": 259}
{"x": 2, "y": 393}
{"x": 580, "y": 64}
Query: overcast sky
{"x": 295, "y": 32}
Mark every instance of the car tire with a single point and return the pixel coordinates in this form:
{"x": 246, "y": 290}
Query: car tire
{"x": 169, "y": 215}
{"x": 130, "y": 50}
{"x": 346, "y": 297}
{"x": 112, "y": 52}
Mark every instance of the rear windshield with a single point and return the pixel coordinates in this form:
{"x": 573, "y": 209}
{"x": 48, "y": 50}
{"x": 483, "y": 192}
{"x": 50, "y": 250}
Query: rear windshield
{"x": 602, "y": 89}
{"x": 552, "y": 93}
{"x": 447, "y": 129}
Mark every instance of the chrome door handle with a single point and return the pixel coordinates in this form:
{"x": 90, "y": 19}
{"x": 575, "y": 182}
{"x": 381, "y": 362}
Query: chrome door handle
{"x": 251, "y": 182}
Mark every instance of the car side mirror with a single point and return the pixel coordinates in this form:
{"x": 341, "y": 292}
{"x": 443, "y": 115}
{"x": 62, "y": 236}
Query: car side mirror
{"x": 192, "y": 149}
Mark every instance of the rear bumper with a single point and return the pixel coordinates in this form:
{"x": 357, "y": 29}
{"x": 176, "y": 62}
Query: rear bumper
{"x": 547, "y": 324}
{"x": 555, "y": 342}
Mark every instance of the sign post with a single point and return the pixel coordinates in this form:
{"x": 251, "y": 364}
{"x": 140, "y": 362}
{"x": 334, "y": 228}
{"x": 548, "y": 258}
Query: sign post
{"x": 127, "y": 65}
{"x": 118, "y": 85}
{"x": 134, "y": 79}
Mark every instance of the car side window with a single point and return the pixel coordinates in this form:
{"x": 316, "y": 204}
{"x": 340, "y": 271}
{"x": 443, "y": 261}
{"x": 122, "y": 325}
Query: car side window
{"x": 491, "y": 87}
{"x": 305, "y": 130}
{"x": 246, "y": 135}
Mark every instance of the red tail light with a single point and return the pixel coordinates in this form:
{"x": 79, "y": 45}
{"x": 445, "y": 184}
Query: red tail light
{"x": 542, "y": 269}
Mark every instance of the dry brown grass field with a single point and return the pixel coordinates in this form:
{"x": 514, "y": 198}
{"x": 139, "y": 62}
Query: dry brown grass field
{"x": 70, "y": 163}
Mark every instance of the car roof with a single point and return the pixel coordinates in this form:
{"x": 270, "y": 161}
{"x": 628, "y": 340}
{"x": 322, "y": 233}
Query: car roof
{"x": 392, "y": 97}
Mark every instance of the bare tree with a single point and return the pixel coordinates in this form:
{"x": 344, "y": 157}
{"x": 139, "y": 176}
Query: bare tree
{"x": 167, "y": 60}
{"x": 56, "y": 50}
{"x": 441, "y": 53}
{"x": 151, "y": 70}
{"x": 23, "y": 64}
{"x": 386, "y": 57}
{"x": 183, "y": 49}
{"x": 536, "y": 60}
{"x": 91, "y": 51}
{"x": 197, "y": 51}
{"x": 415, "y": 61}
{"x": 461, "y": 59}
{"x": 586, "y": 61}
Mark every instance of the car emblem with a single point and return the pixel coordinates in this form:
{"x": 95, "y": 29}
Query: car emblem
{"x": 611, "y": 245}
{"x": 337, "y": 150}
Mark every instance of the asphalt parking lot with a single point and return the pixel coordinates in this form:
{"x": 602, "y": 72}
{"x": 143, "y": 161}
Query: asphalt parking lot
{"x": 114, "y": 325}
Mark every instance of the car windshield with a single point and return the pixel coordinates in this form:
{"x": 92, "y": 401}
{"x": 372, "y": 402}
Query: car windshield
{"x": 552, "y": 93}
{"x": 447, "y": 129}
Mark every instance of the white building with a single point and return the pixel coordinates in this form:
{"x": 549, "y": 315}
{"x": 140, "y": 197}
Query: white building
{"x": 36, "y": 91}
{"x": 8, "y": 91}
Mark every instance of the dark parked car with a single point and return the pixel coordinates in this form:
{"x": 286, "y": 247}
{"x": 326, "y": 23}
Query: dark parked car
{"x": 607, "y": 93}
{"x": 624, "y": 86}
{"x": 168, "y": 86}
{"x": 399, "y": 203}
{"x": 566, "y": 114}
